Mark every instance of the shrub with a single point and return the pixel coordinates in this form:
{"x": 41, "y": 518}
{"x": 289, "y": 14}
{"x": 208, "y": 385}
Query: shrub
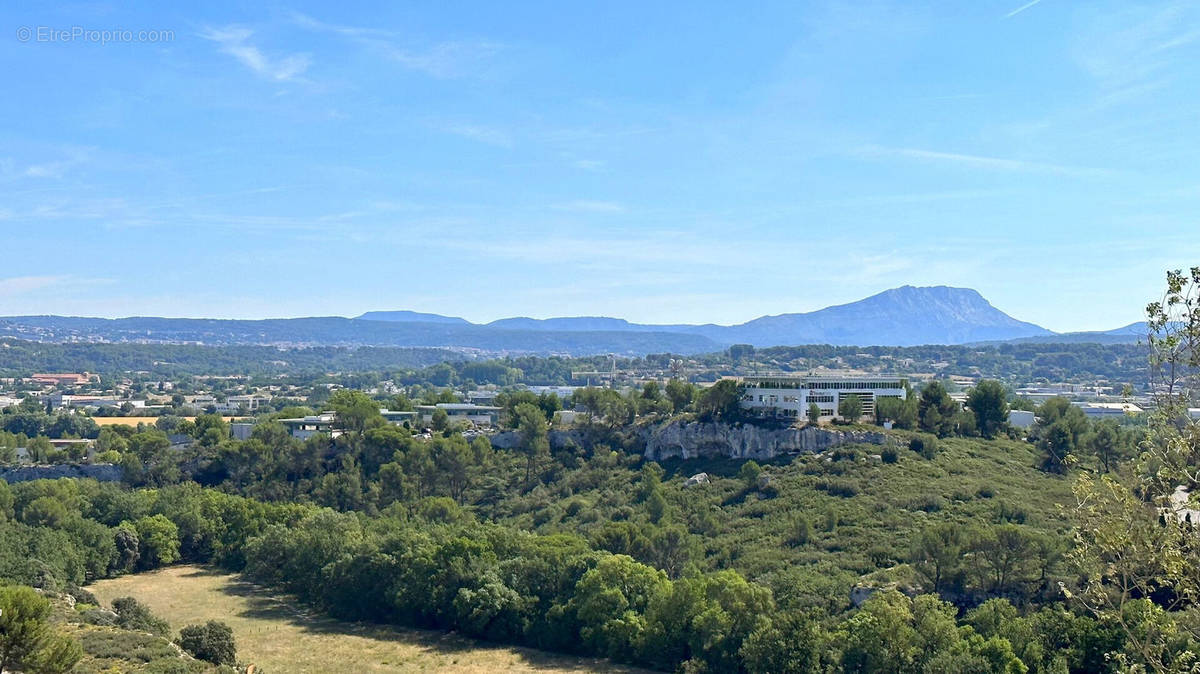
{"x": 831, "y": 520}
{"x": 925, "y": 445}
{"x": 843, "y": 488}
{"x": 801, "y": 531}
{"x": 574, "y": 506}
{"x": 929, "y": 503}
{"x": 212, "y": 641}
{"x": 1010, "y": 513}
{"x": 133, "y": 615}
{"x": 986, "y": 491}
{"x": 105, "y": 644}
{"x": 82, "y": 596}
{"x": 889, "y": 455}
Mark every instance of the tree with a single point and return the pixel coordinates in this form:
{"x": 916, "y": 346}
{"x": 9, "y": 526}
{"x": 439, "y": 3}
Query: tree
{"x": 936, "y": 410}
{"x": 534, "y": 435}
{"x": 790, "y": 644}
{"x": 1108, "y": 444}
{"x": 28, "y": 640}
{"x": 937, "y": 555}
{"x": 6, "y": 501}
{"x": 902, "y": 412}
{"x": 133, "y": 615}
{"x": 159, "y": 541}
{"x": 210, "y": 429}
{"x": 212, "y": 642}
{"x": 355, "y": 410}
{"x": 749, "y": 473}
{"x": 850, "y": 408}
{"x": 680, "y": 394}
{"x": 721, "y": 402}
{"x": 814, "y": 413}
{"x": 439, "y": 420}
{"x": 1056, "y": 443}
{"x": 989, "y": 401}
{"x": 610, "y": 601}
{"x": 1130, "y": 540}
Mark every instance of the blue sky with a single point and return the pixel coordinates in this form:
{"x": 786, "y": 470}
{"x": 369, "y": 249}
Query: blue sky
{"x": 662, "y": 162}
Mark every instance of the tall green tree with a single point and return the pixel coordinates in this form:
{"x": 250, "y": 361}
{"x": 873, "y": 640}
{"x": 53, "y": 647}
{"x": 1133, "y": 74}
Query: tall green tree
{"x": 356, "y": 411}
{"x": 720, "y": 402}
{"x": 989, "y": 401}
{"x": 680, "y": 393}
{"x": 1131, "y": 538}
{"x": 534, "y": 437}
{"x": 28, "y": 640}
{"x": 936, "y": 410}
{"x": 850, "y": 408}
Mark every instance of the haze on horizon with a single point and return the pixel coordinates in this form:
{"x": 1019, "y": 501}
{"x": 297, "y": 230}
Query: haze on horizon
{"x": 665, "y": 164}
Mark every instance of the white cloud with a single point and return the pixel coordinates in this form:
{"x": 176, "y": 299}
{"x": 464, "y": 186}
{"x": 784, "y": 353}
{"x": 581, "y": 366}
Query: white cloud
{"x": 476, "y": 132}
{"x": 18, "y": 285}
{"x": 1020, "y": 9}
{"x": 588, "y": 164}
{"x": 585, "y": 206}
{"x": 980, "y": 161}
{"x": 442, "y": 60}
{"x": 234, "y": 40}
{"x": 1137, "y": 44}
{"x": 56, "y": 168}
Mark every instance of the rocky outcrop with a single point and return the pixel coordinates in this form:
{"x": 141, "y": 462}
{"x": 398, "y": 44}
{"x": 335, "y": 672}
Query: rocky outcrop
{"x": 689, "y": 440}
{"x": 104, "y": 472}
{"x": 684, "y": 440}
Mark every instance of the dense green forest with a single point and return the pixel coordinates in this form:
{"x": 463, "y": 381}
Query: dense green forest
{"x": 957, "y": 544}
{"x": 948, "y": 543}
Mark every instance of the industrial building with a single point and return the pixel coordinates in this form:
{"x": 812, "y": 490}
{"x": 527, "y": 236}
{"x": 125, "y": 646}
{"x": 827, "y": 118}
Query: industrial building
{"x": 789, "y": 395}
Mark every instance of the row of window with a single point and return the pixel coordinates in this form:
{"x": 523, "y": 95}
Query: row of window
{"x": 826, "y": 385}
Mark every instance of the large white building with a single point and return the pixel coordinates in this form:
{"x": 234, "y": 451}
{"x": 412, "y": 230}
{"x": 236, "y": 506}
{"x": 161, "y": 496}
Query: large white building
{"x": 789, "y": 395}
{"x": 478, "y": 415}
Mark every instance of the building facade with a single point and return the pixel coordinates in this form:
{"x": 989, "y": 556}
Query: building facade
{"x": 478, "y": 415}
{"x": 789, "y": 395}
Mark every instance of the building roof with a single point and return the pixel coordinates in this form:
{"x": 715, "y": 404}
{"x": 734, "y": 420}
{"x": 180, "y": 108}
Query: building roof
{"x": 460, "y": 407}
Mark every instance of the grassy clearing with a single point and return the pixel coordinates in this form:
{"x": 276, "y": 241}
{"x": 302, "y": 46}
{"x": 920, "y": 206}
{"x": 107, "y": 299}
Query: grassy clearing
{"x": 279, "y": 636}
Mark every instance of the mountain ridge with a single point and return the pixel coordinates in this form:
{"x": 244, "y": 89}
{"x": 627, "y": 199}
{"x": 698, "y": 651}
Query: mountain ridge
{"x": 911, "y": 315}
{"x": 904, "y": 316}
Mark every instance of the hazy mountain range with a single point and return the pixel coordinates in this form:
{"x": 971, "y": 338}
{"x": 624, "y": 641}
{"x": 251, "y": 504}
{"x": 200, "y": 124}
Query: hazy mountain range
{"x": 904, "y": 316}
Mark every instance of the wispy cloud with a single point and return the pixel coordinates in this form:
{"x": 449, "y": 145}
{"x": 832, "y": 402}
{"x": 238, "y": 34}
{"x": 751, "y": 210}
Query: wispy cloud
{"x": 588, "y": 164}
{"x": 980, "y": 161}
{"x": 234, "y": 40}
{"x": 57, "y": 167}
{"x": 449, "y": 59}
{"x": 479, "y": 133}
{"x": 1128, "y": 48}
{"x": 584, "y": 206}
{"x": 18, "y": 285}
{"x": 1020, "y": 9}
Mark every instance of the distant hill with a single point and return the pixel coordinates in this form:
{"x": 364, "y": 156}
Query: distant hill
{"x": 1128, "y": 334}
{"x": 412, "y": 317}
{"x": 905, "y": 316}
{"x": 335, "y": 331}
{"x": 575, "y": 324}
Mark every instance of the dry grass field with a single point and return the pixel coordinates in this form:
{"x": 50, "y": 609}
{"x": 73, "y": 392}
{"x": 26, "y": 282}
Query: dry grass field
{"x": 281, "y": 637}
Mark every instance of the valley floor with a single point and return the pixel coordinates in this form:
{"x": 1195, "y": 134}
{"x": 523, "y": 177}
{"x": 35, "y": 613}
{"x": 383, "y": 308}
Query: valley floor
{"x": 282, "y": 637}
